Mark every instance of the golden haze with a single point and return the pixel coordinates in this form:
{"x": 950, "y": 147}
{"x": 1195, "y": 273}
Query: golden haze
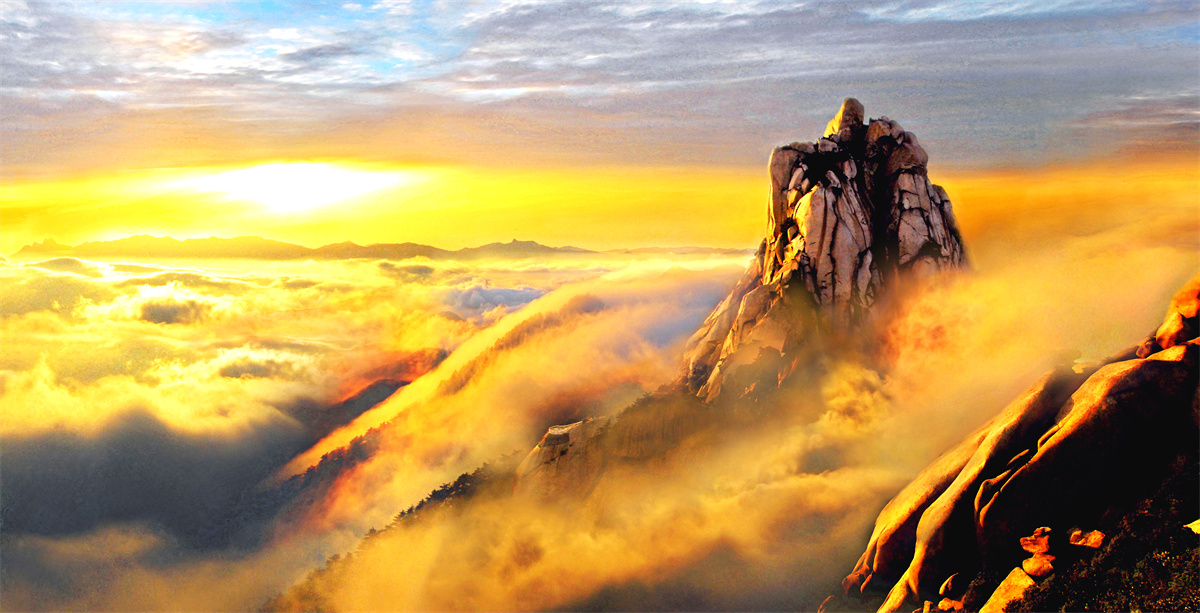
{"x": 449, "y": 207}
{"x": 600, "y": 207}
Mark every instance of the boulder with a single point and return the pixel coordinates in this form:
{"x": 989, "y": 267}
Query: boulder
{"x": 1037, "y": 543}
{"x": 1038, "y": 565}
{"x": 878, "y": 129}
{"x": 947, "y": 604}
{"x": 1093, "y": 539}
{"x": 782, "y": 165}
{"x": 849, "y": 116}
{"x": 1012, "y": 588}
{"x": 908, "y": 156}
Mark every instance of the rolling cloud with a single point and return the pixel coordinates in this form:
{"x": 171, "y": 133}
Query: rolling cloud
{"x": 774, "y": 507}
{"x": 190, "y": 427}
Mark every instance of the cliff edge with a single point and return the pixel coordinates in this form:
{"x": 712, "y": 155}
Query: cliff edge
{"x": 1082, "y": 446}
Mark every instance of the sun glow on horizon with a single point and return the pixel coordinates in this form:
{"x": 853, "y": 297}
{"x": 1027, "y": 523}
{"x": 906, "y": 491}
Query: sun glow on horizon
{"x": 287, "y": 187}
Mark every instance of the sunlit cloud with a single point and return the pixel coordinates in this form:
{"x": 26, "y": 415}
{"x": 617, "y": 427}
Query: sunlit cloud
{"x": 235, "y": 407}
{"x": 961, "y": 10}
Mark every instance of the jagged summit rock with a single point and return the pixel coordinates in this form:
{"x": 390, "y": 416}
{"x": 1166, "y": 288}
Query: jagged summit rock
{"x": 849, "y": 117}
{"x": 847, "y": 216}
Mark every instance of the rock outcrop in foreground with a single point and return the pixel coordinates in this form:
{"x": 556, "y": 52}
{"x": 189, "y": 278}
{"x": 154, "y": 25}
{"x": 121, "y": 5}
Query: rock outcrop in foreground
{"x": 1079, "y": 446}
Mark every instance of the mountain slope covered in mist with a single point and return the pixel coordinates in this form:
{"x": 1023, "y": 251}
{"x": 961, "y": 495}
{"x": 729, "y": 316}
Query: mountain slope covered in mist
{"x": 150, "y": 436}
{"x": 790, "y": 361}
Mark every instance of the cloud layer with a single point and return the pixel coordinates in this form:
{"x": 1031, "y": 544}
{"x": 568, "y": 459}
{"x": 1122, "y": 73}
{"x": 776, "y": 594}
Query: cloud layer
{"x": 129, "y": 404}
{"x": 660, "y": 82}
{"x": 167, "y": 437}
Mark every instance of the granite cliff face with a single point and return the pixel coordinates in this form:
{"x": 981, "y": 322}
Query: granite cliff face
{"x": 848, "y": 217}
{"x": 1079, "y": 446}
{"x": 851, "y": 217}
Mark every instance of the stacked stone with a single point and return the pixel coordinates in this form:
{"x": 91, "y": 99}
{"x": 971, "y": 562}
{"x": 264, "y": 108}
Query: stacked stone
{"x": 845, "y": 214}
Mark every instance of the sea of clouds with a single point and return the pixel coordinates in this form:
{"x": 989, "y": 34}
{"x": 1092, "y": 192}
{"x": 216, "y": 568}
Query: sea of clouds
{"x": 184, "y": 435}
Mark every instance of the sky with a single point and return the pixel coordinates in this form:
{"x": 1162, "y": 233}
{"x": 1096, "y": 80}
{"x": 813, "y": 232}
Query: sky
{"x": 615, "y": 110}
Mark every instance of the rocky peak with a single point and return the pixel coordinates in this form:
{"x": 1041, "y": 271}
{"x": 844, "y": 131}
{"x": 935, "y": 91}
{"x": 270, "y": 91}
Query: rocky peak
{"x": 849, "y": 117}
{"x": 847, "y": 216}
{"x": 48, "y": 245}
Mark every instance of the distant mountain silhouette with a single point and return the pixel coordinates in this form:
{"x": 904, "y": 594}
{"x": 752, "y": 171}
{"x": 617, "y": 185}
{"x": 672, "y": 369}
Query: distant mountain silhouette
{"x": 682, "y": 251}
{"x": 258, "y": 248}
{"x": 387, "y": 251}
{"x": 166, "y": 247}
{"x": 516, "y": 248}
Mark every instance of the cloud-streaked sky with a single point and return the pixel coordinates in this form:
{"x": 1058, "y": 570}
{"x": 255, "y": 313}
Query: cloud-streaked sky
{"x": 597, "y": 124}
{"x": 137, "y": 84}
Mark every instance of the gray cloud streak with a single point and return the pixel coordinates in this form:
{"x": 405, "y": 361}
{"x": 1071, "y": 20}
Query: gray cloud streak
{"x": 984, "y": 82}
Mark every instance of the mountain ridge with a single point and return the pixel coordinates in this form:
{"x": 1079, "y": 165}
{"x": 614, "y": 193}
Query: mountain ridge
{"x": 257, "y": 247}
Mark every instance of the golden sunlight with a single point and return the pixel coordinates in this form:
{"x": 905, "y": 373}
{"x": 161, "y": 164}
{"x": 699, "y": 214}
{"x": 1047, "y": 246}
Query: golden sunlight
{"x": 296, "y": 186}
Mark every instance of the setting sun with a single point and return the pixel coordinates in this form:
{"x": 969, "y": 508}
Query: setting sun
{"x": 289, "y": 187}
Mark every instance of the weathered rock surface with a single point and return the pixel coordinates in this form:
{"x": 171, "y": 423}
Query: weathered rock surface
{"x": 847, "y": 216}
{"x": 1092, "y": 539}
{"x": 543, "y": 474}
{"x": 1012, "y": 588}
{"x": 1079, "y": 442}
